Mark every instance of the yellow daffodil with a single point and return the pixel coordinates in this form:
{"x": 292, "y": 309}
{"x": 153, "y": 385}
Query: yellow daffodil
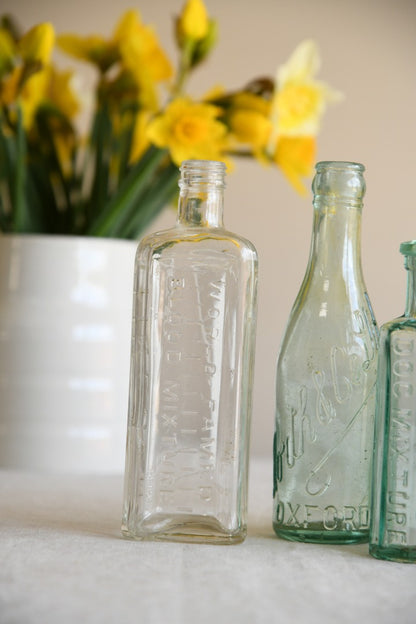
{"x": 140, "y": 49}
{"x": 295, "y": 156}
{"x": 9, "y": 87}
{"x": 133, "y": 43}
{"x": 7, "y": 51}
{"x": 250, "y": 127}
{"x": 95, "y": 49}
{"x": 193, "y": 22}
{"x": 300, "y": 100}
{"x": 189, "y": 130}
{"x": 36, "y": 45}
{"x": 142, "y": 57}
{"x": 135, "y": 46}
{"x": 28, "y": 93}
{"x": 60, "y": 92}
{"x": 196, "y": 35}
{"x": 47, "y": 85}
{"x": 92, "y": 183}
{"x": 28, "y": 79}
{"x": 249, "y": 119}
{"x": 31, "y": 95}
{"x": 250, "y": 101}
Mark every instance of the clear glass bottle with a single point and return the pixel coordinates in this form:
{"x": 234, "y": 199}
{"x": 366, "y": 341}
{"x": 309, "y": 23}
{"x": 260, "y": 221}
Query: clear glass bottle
{"x": 326, "y": 374}
{"x": 393, "y": 524}
{"x": 191, "y": 373}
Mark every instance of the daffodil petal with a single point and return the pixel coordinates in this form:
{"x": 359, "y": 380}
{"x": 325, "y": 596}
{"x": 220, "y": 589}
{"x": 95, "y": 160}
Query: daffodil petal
{"x": 303, "y": 64}
{"x": 189, "y": 130}
{"x": 7, "y": 51}
{"x": 295, "y": 157}
{"x": 36, "y": 45}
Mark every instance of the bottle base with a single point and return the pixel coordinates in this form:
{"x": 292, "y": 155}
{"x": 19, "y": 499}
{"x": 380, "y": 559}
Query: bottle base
{"x": 394, "y": 553}
{"x": 200, "y": 530}
{"x": 320, "y": 535}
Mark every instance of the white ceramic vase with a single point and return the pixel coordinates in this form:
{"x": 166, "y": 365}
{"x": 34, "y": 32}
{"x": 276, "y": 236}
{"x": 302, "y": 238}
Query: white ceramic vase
{"x": 65, "y": 323}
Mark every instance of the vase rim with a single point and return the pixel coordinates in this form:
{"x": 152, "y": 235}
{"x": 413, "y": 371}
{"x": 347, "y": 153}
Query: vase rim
{"x": 65, "y": 238}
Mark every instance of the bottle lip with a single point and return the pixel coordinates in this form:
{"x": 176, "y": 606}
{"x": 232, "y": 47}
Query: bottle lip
{"x": 408, "y": 248}
{"x": 203, "y": 164}
{"x": 339, "y": 165}
{"x": 339, "y": 181}
{"x": 209, "y": 173}
{"x": 209, "y": 166}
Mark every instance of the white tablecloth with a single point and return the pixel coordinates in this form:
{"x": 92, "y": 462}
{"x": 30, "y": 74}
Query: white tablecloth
{"x": 63, "y": 560}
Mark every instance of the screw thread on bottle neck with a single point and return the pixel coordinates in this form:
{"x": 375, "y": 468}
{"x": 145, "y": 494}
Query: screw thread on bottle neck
{"x": 201, "y": 197}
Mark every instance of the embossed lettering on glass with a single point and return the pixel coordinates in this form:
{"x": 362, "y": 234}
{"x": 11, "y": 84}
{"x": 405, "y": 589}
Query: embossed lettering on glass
{"x": 326, "y": 373}
{"x": 393, "y": 524}
{"x": 191, "y": 373}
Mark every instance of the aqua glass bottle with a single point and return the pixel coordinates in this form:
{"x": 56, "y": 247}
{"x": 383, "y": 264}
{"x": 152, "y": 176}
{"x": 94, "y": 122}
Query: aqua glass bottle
{"x": 326, "y": 374}
{"x": 191, "y": 373}
{"x": 393, "y": 524}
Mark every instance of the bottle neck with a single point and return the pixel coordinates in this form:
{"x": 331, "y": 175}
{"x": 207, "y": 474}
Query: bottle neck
{"x": 201, "y": 207}
{"x": 339, "y": 189}
{"x": 336, "y": 239}
{"x": 201, "y": 198}
{"x": 410, "y": 264}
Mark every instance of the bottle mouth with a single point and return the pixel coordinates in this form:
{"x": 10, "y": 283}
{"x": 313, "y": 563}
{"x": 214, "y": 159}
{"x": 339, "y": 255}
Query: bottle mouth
{"x": 339, "y": 181}
{"x": 202, "y": 173}
{"x": 408, "y": 248}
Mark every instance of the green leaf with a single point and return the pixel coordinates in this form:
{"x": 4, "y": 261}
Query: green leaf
{"x": 157, "y": 197}
{"x": 43, "y": 208}
{"x": 101, "y": 147}
{"x": 122, "y": 206}
{"x": 123, "y": 143}
{"x": 7, "y": 159}
{"x": 49, "y": 177}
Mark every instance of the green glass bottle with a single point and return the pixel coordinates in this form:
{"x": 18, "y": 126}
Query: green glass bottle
{"x": 326, "y": 376}
{"x": 393, "y": 525}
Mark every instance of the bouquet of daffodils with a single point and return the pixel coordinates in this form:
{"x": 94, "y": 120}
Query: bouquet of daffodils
{"x": 114, "y": 179}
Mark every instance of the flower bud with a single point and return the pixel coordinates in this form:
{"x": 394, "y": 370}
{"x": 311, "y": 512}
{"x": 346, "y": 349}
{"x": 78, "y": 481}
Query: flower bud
{"x": 36, "y": 45}
{"x": 194, "y": 21}
{"x": 204, "y": 46}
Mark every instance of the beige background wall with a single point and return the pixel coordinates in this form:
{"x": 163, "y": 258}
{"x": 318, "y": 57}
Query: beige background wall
{"x": 368, "y": 49}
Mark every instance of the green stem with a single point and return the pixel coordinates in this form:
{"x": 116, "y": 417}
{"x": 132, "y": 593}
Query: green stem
{"x": 184, "y": 68}
{"x": 19, "y": 203}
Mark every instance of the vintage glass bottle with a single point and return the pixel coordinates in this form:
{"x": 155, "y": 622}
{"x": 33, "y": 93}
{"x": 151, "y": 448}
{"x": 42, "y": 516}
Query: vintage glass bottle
{"x": 191, "y": 372}
{"x": 393, "y": 518}
{"x": 326, "y": 374}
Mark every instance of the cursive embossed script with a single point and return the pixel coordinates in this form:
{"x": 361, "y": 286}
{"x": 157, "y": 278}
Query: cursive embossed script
{"x": 330, "y": 405}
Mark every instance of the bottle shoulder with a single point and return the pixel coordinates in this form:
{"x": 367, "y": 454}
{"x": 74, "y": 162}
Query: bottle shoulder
{"x": 184, "y": 237}
{"x": 402, "y": 323}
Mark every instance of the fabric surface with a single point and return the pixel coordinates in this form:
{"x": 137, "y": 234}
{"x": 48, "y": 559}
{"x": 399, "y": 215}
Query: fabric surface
{"x": 63, "y": 560}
